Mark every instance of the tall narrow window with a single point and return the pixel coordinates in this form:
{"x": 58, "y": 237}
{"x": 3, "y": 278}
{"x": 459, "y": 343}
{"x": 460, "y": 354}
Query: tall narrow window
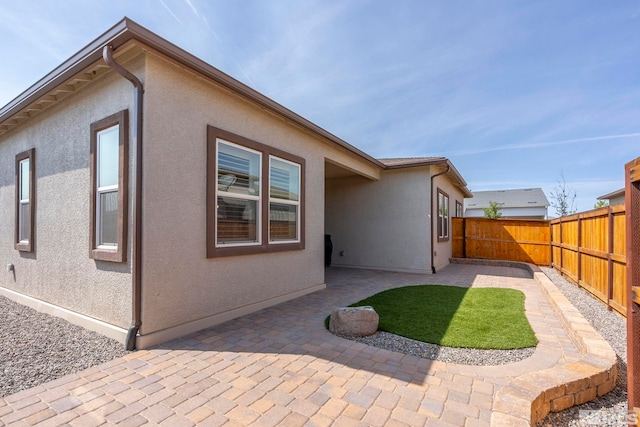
{"x": 284, "y": 200}
{"x": 238, "y": 195}
{"x": 443, "y": 216}
{"x": 25, "y": 201}
{"x": 459, "y": 210}
{"x": 109, "y": 188}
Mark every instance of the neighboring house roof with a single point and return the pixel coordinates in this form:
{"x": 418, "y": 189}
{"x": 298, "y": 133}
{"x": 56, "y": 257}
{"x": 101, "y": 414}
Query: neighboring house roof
{"x": 518, "y": 198}
{"x": 613, "y": 195}
{"x": 409, "y": 162}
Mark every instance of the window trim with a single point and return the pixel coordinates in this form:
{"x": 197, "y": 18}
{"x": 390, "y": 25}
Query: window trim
{"x": 104, "y": 253}
{"x": 442, "y": 237}
{"x": 265, "y": 246}
{"x": 460, "y": 209}
{"x": 248, "y": 197}
{"x": 276, "y": 200}
{"x": 28, "y": 245}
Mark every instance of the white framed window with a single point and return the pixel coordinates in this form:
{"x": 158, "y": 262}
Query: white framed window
{"x": 443, "y": 216}
{"x": 24, "y": 186}
{"x": 255, "y": 197}
{"x": 284, "y": 201}
{"x": 107, "y": 188}
{"x": 25, "y": 201}
{"x": 109, "y": 192}
{"x": 459, "y": 210}
{"x": 238, "y": 195}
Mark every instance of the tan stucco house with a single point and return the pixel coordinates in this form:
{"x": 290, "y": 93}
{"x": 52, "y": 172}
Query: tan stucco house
{"x": 145, "y": 194}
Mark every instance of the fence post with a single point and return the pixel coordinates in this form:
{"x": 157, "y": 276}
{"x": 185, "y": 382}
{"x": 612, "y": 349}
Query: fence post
{"x": 609, "y": 258}
{"x": 632, "y": 218}
{"x": 579, "y": 272}
{"x": 464, "y": 237}
{"x": 561, "y": 249}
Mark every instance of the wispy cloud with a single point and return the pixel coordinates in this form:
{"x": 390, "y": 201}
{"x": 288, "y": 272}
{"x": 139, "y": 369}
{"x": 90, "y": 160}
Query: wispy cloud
{"x": 170, "y": 11}
{"x": 524, "y": 145}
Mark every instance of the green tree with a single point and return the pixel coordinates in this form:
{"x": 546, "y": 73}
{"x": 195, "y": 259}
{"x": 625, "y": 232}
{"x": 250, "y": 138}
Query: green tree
{"x": 493, "y": 211}
{"x": 600, "y": 204}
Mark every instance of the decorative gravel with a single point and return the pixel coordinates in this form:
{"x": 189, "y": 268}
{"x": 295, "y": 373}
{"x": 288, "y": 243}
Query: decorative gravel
{"x": 610, "y": 409}
{"x": 464, "y": 356}
{"x": 36, "y": 348}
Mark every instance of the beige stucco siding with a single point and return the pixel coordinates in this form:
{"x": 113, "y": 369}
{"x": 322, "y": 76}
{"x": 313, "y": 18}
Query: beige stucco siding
{"x": 180, "y": 285}
{"x": 442, "y": 249}
{"x": 59, "y": 271}
{"x": 380, "y": 224}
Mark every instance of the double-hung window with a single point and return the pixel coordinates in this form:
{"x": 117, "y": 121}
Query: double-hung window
{"x": 443, "y": 216}
{"x": 255, "y": 197}
{"x": 284, "y": 201}
{"x": 25, "y": 201}
{"x": 459, "y": 210}
{"x": 238, "y": 195}
{"x": 109, "y": 165}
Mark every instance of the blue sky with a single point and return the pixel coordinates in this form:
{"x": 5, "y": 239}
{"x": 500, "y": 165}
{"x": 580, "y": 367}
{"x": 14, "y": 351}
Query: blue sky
{"x": 517, "y": 94}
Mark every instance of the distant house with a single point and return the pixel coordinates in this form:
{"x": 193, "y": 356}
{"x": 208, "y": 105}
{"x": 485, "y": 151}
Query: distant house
{"x": 150, "y": 220}
{"x": 526, "y": 203}
{"x": 614, "y": 198}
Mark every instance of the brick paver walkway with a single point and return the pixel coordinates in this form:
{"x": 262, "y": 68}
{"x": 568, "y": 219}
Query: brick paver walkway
{"x": 280, "y": 366}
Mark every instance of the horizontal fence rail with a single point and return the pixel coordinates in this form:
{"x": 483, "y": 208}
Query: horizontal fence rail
{"x": 503, "y": 239}
{"x": 587, "y": 248}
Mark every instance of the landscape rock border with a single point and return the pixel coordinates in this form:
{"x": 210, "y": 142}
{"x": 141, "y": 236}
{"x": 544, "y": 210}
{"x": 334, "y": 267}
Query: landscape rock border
{"x": 528, "y": 398}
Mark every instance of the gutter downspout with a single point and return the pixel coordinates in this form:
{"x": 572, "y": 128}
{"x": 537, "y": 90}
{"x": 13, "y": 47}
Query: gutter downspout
{"x": 107, "y": 55}
{"x": 433, "y": 267}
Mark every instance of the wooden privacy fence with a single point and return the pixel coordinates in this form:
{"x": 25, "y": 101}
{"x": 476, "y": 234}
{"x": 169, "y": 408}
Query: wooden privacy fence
{"x": 587, "y": 248}
{"x": 502, "y": 239}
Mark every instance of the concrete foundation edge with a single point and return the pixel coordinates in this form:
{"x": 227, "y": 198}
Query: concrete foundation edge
{"x": 159, "y": 337}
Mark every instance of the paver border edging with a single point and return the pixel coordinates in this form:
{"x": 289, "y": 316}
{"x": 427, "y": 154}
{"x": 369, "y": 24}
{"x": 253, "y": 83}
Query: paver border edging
{"x": 528, "y": 398}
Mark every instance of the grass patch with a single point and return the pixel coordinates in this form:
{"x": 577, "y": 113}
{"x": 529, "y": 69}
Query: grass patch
{"x": 452, "y": 316}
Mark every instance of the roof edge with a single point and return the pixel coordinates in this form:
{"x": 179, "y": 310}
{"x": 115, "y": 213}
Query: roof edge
{"x": 127, "y": 29}
{"x": 434, "y": 162}
{"x": 612, "y": 195}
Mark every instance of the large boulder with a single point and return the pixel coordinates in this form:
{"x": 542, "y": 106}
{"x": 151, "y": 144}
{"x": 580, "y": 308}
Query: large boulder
{"x": 354, "y": 321}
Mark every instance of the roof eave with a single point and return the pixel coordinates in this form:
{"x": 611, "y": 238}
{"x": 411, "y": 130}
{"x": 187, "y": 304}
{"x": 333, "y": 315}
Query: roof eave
{"x": 462, "y": 184}
{"x": 116, "y": 36}
{"x": 126, "y": 30}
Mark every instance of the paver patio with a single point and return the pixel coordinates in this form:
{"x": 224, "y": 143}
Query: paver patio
{"x": 280, "y": 366}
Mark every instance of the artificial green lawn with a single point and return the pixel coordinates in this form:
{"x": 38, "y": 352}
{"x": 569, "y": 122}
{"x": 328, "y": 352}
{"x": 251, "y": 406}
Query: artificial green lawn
{"x": 452, "y": 316}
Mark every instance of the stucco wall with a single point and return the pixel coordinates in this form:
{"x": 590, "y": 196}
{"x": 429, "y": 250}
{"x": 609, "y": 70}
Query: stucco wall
{"x": 180, "y": 285}
{"x": 380, "y": 224}
{"x": 59, "y": 271}
{"x": 442, "y": 250}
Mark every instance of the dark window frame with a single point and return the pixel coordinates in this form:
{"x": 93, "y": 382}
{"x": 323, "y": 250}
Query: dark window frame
{"x": 443, "y": 220}
{"x": 265, "y": 246}
{"x": 459, "y": 209}
{"x": 119, "y": 254}
{"x": 29, "y": 245}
